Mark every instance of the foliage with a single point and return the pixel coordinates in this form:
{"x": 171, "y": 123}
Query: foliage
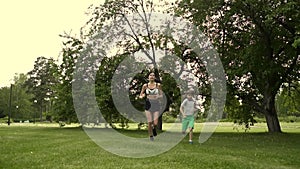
{"x": 288, "y": 100}
{"x": 104, "y": 93}
{"x": 258, "y": 42}
{"x": 109, "y": 69}
{"x": 258, "y": 45}
{"x": 125, "y": 25}
{"x": 21, "y": 100}
{"x": 21, "y": 105}
{"x": 41, "y": 83}
{"x": 240, "y": 114}
{"x": 172, "y": 94}
{"x": 63, "y": 106}
{"x": 4, "y": 100}
{"x": 2, "y": 115}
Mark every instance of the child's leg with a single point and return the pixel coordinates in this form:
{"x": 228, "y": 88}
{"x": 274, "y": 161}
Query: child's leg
{"x": 184, "y": 125}
{"x": 191, "y": 127}
{"x": 191, "y": 134}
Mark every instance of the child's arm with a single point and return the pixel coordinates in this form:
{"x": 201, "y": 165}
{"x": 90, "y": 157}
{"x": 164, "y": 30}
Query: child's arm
{"x": 196, "y": 106}
{"x": 182, "y": 109}
{"x": 196, "y": 109}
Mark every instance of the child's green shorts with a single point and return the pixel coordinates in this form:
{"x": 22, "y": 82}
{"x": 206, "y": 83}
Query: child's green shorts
{"x": 188, "y": 122}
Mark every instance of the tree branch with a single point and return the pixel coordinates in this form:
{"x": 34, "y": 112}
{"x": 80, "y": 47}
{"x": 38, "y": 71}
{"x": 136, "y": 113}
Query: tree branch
{"x": 287, "y": 27}
{"x": 136, "y": 38}
{"x": 255, "y": 106}
{"x": 148, "y": 31}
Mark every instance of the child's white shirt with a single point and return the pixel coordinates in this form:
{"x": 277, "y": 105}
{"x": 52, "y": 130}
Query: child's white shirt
{"x": 188, "y": 106}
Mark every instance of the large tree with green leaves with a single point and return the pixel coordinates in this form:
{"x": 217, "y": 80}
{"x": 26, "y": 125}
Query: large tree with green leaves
{"x": 63, "y": 100}
{"x": 21, "y": 100}
{"x": 41, "y": 82}
{"x": 4, "y": 101}
{"x": 106, "y": 91}
{"x": 258, "y": 42}
{"x": 126, "y": 25}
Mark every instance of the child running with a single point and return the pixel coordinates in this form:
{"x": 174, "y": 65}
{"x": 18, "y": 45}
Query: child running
{"x": 187, "y": 109}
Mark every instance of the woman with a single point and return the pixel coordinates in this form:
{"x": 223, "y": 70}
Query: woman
{"x": 152, "y": 91}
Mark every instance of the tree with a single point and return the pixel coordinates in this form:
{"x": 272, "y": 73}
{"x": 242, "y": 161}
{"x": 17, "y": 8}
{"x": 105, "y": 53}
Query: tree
{"x": 258, "y": 42}
{"x": 41, "y": 82}
{"x": 63, "y": 106}
{"x": 4, "y": 101}
{"x": 106, "y": 92}
{"x": 133, "y": 32}
{"x": 21, "y": 105}
{"x": 21, "y": 99}
{"x": 131, "y": 28}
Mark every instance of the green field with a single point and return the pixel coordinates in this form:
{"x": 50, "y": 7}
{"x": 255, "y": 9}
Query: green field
{"x": 48, "y": 146}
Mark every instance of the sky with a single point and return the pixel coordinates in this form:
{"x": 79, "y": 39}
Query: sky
{"x": 30, "y": 29}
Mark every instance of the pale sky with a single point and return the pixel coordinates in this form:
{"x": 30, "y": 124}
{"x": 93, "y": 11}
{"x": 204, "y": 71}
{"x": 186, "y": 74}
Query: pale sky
{"x": 30, "y": 29}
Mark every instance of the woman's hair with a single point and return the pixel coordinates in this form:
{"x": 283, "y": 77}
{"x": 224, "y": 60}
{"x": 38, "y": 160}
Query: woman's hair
{"x": 155, "y": 74}
{"x": 151, "y": 72}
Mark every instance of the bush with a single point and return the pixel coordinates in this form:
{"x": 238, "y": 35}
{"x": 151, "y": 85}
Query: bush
{"x": 289, "y": 119}
{"x": 168, "y": 118}
{"x": 4, "y": 119}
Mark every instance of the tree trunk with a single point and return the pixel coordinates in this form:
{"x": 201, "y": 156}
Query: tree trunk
{"x": 273, "y": 123}
{"x": 271, "y": 115}
{"x": 158, "y": 80}
{"x": 160, "y": 122}
{"x": 41, "y": 113}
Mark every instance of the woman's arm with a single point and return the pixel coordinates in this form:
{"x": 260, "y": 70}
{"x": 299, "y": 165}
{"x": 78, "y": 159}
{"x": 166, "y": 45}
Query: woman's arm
{"x": 142, "y": 94}
{"x": 159, "y": 90}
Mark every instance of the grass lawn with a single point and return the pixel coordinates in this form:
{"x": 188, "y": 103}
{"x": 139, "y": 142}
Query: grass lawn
{"x": 48, "y": 146}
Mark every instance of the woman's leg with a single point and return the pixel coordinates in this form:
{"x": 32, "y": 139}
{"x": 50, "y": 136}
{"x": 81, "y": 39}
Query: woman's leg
{"x": 149, "y": 119}
{"x": 155, "y": 122}
{"x": 155, "y": 118}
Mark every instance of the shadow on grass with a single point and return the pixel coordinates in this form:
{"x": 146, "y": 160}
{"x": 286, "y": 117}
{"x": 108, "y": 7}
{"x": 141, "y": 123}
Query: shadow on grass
{"x": 144, "y": 133}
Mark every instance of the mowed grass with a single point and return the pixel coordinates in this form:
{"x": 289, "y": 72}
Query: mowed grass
{"x": 70, "y": 148}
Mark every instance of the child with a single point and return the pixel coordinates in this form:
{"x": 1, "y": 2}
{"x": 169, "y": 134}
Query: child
{"x": 187, "y": 109}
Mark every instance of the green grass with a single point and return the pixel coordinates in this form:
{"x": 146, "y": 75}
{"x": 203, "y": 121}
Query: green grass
{"x": 48, "y": 146}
